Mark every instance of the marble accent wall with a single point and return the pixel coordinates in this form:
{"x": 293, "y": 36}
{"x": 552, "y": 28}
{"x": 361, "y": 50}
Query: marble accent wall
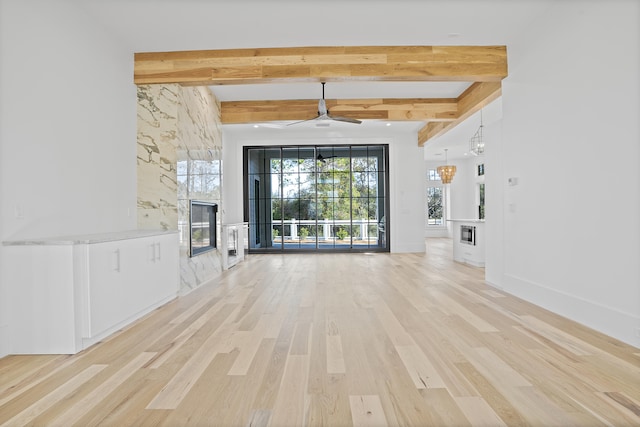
{"x": 157, "y": 156}
{"x": 199, "y": 160}
{"x": 179, "y": 159}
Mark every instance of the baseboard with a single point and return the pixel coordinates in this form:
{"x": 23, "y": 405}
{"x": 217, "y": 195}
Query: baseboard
{"x": 410, "y": 248}
{"x": 607, "y": 320}
{"x": 89, "y": 341}
{"x": 4, "y": 340}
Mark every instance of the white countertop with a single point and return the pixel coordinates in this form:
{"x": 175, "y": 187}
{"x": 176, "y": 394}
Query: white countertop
{"x": 88, "y": 238}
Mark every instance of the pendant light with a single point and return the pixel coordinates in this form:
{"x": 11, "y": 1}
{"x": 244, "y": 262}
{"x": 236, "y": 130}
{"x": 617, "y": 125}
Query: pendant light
{"x": 446, "y": 172}
{"x": 476, "y": 143}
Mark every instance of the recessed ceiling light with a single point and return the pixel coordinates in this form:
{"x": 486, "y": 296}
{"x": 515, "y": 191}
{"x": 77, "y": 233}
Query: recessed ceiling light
{"x": 388, "y": 124}
{"x": 256, "y": 126}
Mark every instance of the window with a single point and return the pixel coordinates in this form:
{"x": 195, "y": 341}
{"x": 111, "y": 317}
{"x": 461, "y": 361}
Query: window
{"x": 435, "y": 206}
{"x": 481, "y": 169}
{"x": 317, "y": 198}
{"x": 481, "y": 198}
{"x": 432, "y": 175}
{"x": 203, "y": 227}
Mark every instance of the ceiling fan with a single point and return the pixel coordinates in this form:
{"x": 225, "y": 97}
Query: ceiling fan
{"x": 323, "y": 114}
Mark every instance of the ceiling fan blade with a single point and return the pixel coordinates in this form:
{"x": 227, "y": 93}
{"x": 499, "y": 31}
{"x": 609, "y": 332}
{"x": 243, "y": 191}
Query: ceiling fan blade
{"x": 302, "y": 121}
{"x": 270, "y": 125}
{"x": 344, "y": 119}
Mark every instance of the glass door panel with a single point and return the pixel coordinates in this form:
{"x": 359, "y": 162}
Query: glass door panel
{"x": 310, "y": 198}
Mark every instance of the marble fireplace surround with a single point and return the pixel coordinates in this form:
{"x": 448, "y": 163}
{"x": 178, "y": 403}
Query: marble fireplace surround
{"x": 179, "y": 157}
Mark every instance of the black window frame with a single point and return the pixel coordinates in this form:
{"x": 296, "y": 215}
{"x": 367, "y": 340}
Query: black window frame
{"x": 327, "y": 151}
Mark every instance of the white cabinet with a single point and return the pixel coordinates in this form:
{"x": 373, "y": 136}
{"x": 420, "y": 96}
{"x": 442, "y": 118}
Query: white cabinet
{"x": 127, "y": 278}
{"x": 468, "y": 241}
{"x": 72, "y": 292}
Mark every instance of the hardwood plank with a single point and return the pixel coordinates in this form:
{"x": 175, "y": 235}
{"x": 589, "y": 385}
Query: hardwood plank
{"x": 479, "y": 412}
{"x": 259, "y": 418}
{"x": 214, "y": 315}
{"x": 176, "y": 390}
{"x": 267, "y": 391}
{"x": 38, "y": 407}
{"x": 82, "y": 406}
{"x": 29, "y": 376}
{"x": 444, "y": 408}
{"x": 335, "y": 355}
{"x": 422, "y": 371}
{"x": 291, "y": 404}
{"x": 366, "y": 411}
{"x": 450, "y": 306}
{"x": 495, "y": 369}
{"x": 503, "y": 408}
{"x": 249, "y": 349}
{"x": 625, "y": 403}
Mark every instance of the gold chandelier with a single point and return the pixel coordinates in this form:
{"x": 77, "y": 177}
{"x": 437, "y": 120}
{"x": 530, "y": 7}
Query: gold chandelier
{"x": 446, "y": 172}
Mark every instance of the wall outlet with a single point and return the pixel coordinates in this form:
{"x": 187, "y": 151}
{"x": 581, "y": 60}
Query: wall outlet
{"x": 18, "y": 212}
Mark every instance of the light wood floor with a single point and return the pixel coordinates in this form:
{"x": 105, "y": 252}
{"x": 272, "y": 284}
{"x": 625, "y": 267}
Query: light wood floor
{"x": 336, "y": 340}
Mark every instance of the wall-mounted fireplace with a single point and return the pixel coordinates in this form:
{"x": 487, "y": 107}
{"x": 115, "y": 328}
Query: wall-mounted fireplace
{"x": 468, "y": 234}
{"x": 202, "y": 226}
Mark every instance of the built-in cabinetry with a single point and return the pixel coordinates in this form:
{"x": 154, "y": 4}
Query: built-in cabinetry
{"x": 68, "y": 293}
{"x": 468, "y": 241}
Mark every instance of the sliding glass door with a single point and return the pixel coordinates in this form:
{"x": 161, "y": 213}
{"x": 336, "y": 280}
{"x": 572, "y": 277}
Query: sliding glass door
{"x": 317, "y": 198}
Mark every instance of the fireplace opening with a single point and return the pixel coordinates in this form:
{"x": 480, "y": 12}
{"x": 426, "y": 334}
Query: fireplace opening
{"x": 203, "y": 227}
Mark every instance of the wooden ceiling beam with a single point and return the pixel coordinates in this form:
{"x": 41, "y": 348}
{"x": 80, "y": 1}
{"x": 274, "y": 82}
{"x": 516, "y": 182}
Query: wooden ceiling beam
{"x": 382, "y": 109}
{"x": 472, "y": 100}
{"x": 314, "y": 64}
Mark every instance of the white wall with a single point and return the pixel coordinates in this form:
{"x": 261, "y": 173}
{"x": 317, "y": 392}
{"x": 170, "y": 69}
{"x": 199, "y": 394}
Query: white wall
{"x": 408, "y": 194}
{"x": 494, "y": 203}
{"x": 68, "y": 132}
{"x": 406, "y": 164}
{"x": 463, "y": 189}
{"x": 570, "y": 112}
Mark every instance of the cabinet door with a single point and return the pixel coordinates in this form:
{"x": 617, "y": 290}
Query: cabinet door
{"x": 108, "y": 265}
{"x": 169, "y": 265}
{"x": 128, "y": 278}
{"x": 158, "y": 278}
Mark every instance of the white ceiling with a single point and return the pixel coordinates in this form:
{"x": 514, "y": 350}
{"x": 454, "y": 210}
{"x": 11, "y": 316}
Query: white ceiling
{"x": 169, "y": 25}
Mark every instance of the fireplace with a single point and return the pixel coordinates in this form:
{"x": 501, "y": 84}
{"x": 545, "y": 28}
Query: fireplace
{"x": 203, "y": 227}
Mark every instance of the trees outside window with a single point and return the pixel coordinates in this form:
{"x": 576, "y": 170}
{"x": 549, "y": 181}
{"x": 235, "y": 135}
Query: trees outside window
{"x": 435, "y": 206}
{"x": 317, "y": 197}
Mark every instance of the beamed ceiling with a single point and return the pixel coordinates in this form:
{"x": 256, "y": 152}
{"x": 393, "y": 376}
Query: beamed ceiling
{"x": 483, "y": 67}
